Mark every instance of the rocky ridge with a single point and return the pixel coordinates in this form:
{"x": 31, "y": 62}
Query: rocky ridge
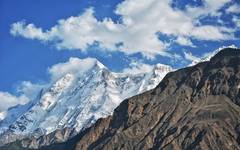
{"x": 192, "y": 108}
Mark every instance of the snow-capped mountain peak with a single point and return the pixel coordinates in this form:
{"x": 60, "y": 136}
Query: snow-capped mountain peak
{"x": 50, "y": 97}
{"x": 81, "y": 96}
{"x": 208, "y": 56}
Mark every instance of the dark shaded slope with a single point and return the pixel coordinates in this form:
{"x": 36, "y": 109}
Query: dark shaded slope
{"x": 193, "y": 108}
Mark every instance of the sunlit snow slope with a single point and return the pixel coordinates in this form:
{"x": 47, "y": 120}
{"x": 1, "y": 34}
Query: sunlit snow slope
{"x": 77, "y": 100}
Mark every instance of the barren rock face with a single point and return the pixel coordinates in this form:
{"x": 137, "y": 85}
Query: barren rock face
{"x": 192, "y": 108}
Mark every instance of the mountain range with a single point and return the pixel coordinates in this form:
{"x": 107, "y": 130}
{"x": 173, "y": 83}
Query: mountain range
{"x": 75, "y": 101}
{"x": 197, "y": 107}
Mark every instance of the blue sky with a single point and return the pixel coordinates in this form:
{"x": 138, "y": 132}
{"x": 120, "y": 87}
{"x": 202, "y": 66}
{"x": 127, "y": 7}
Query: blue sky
{"x": 35, "y": 35}
{"x": 23, "y": 59}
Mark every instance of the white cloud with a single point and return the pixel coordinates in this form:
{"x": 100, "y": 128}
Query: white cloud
{"x": 136, "y": 67}
{"x": 73, "y": 65}
{"x": 184, "y": 41}
{"x": 189, "y": 56}
{"x": 137, "y": 32}
{"x": 28, "y": 31}
{"x": 29, "y": 89}
{"x": 27, "y": 92}
{"x": 234, "y": 9}
{"x": 236, "y": 20}
{"x": 8, "y": 100}
{"x": 210, "y": 7}
{"x": 78, "y": 66}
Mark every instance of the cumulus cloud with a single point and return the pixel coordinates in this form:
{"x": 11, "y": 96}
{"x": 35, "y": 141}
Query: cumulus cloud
{"x": 78, "y": 66}
{"x": 8, "y": 100}
{"x": 27, "y": 31}
{"x": 210, "y": 7}
{"x": 136, "y": 67}
{"x": 29, "y": 89}
{"x": 236, "y": 21}
{"x": 189, "y": 56}
{"x": 137, "y": 30}
{"x": 27, "y": 92}
{"x": 184, "y": 41}
{"x": 235, "y": 8}
{"x": 73, "y": 65}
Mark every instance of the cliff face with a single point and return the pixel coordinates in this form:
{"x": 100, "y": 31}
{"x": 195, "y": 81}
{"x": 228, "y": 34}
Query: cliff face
{"x": 193, "y": 108}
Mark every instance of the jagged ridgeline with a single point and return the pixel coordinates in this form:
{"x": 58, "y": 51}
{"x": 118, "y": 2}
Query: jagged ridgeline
{"x": 75, "y": 101}
{"x": 192, "y": 108}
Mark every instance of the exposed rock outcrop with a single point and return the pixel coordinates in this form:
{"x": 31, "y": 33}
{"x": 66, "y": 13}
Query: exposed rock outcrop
{"x": 192, "y": 108}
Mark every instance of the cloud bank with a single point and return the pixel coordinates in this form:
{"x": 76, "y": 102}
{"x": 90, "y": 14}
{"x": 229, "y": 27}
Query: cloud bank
{"x": 8, "y": 100}
{"x": 136, "y": 32}
{"x": 74, "y": 66}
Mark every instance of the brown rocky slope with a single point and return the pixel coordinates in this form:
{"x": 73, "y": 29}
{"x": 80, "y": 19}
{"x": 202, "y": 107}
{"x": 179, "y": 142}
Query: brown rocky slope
{"x": 192, "y": 108}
